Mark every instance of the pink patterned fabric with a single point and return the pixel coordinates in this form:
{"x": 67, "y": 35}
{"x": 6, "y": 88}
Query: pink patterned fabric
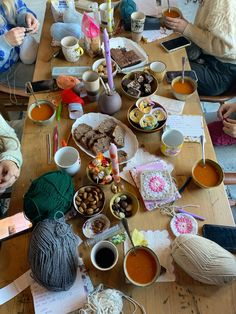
{"x": 218, "y": 136}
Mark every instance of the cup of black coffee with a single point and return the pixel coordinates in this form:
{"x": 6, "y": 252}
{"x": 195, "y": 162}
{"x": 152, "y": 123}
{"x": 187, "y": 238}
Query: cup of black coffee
{"x": 104, "y": 255}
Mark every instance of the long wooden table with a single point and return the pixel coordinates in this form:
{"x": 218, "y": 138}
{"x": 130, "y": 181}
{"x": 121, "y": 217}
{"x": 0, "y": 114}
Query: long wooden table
{"x": 183, "y": 296}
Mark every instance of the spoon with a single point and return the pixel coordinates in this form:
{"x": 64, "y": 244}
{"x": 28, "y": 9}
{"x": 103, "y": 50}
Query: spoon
{"x": 183, "y": 68}
{"x": 168, "y": 3}
{"x": 203, "y": 150}
{"x": 125, "y": 224}
{"x": 29, "y": 86}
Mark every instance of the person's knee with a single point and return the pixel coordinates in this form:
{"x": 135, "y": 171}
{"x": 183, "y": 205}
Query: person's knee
{"x": 28, "y": 50}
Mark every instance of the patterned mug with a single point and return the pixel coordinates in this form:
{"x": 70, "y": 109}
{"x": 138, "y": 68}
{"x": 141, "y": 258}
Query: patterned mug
{"x": 171, "y": 142}
{"x": 71, "y": 48}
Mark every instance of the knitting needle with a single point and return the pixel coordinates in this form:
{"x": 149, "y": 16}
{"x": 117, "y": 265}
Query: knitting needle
{"x": 103, "y": 84}
{"x": 48, "y": 141}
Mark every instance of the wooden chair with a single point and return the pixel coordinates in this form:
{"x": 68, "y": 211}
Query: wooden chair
{"x": 228, "y": 95}
{"x": 9, "y": 101}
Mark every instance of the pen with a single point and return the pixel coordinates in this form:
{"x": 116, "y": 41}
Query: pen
{"x": 186, "y": 183}
{"x": 179, "y": 210}
{"x": 59, "y": 110}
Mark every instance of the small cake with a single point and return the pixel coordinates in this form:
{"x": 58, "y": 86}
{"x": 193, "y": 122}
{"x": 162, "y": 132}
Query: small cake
{"x": 135, "y": 115}
{"x": 148, "y": 122}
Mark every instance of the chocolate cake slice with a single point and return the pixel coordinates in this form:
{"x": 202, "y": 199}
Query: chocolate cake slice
{"x": 125, "y": 58}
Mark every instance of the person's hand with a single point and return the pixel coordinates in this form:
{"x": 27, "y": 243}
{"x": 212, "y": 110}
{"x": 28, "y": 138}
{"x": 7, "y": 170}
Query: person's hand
{"x": 177, "y": 24}
{"x": 229, "y": 127}
{"x": 225, "y": 110}
{"x": 15, "y": 36}
{"x": 9, "y": 173}
{"x": 32, "y": 23}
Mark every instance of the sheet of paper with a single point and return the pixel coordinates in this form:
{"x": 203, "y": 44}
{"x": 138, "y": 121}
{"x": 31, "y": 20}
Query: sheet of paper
{"x": 49, "y": 302}
{"x": 190, "y": 126}
{"x": 150, "y": 36}
{"x": 172, "y": 106}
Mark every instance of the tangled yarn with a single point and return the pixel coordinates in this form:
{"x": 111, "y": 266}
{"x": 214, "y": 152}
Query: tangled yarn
{"x": 48, "y": 194}
{"x": 52, "y": 254}
{"x": 105, "y": 301}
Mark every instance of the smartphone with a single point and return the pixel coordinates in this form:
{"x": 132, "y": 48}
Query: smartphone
{"x": 14, "y": 225}
{"x": 225, "y": 236}
{"x": 170, "y": 75}
{"x": 175, "y": 43}
{"x": 43, "y": 86}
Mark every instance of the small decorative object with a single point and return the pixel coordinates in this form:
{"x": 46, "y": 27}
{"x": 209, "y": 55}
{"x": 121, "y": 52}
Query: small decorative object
{"x": 183, "y": 224}
{"x": 109, "y": 102}
{"x": 91, "y": 32}
{"x": 204, "y": 260}
{"x": 99, "y": 170}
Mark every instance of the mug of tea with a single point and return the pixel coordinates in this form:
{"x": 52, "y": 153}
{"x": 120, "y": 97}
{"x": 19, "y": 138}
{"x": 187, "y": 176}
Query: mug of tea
{"x": 71, "y": 48}
{"x": 171, "y": 142}
{"x": 104, "y": 255}
{"x": 170, "y": 12}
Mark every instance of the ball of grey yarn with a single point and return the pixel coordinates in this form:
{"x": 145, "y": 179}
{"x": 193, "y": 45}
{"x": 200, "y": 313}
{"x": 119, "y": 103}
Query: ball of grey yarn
{"x": 53, "y": 254}
{"x": 204, "y": 260}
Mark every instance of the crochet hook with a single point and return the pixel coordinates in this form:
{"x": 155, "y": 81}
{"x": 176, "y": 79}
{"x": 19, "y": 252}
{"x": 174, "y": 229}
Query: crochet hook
{"x": 179, "y": 210}
{"x": 55, "y": 140}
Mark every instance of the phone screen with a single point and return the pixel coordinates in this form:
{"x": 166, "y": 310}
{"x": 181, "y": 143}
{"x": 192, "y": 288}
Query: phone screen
{"x": 176, "y": 43}
{"x": 43, "y": 86}
{"x": 13, "y": 225}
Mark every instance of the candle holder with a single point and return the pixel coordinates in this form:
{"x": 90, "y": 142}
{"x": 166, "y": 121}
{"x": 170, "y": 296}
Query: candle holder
{"x": 117, "y": 186}
{"x": 109, "y": 103}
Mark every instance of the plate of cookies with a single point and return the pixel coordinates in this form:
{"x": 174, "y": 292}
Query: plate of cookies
{"x": 146, "y": 115}
{"x": 94, "y": 132}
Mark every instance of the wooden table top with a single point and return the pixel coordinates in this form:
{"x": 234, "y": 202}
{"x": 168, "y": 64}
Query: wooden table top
{"x": 182, "y": 296}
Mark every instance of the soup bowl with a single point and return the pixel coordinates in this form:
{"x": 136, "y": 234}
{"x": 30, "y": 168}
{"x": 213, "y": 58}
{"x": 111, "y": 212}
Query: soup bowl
{"x": 42, "y": 113}
{"x": 209, "y": 175}
{"x": 141, "y": 266}
{"x": 182, "y": 91}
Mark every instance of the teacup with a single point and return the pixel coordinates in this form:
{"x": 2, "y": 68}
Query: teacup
{"x": 71, "y": 48}
{"x": 158, "y": 69}
{"x": 68, "y": 160}
{"x": 171, "y": 142}
{"x": 171, "y": 12}
{"x": 104, "y": 255}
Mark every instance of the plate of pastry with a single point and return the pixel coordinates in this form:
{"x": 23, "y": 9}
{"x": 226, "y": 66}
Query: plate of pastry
{"x": 93, "y": 133}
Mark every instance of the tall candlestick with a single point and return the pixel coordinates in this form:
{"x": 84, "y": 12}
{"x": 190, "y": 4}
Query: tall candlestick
{"x": 109, "y": 17}
{"x": 114, "y": 162}
{"x": 108, "y": 59}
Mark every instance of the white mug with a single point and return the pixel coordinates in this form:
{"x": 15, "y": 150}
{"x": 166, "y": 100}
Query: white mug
{"x": 68, "y": 160}
{"x": 137, "y": 25}
{"x": 71, "y": 48}
{"x": 104, "y": 255}
{"x": 158, "y": 69}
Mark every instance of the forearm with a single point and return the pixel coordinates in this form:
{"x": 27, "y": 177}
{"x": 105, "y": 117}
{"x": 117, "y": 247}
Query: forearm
{"x": 22, "y": 10}
{"x": 5, "y": 52}
{"x": 210, "y": 43}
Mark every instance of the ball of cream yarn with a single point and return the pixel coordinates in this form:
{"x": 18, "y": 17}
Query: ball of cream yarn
{"x": 204, "y": 260}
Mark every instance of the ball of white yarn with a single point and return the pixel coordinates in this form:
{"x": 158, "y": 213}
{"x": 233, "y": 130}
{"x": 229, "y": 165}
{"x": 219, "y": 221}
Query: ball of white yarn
{"x": 204, "y": 260}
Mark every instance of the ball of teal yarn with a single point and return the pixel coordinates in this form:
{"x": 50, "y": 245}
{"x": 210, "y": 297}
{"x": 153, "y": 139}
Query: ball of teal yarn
{"x": 127, "y": 7}
{"x": 48, "y": 194}
{"x": 53, "y": 255}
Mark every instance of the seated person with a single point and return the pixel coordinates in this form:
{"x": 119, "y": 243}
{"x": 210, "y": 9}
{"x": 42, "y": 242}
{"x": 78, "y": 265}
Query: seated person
{"x": 213, "y": 51}
{"x": 223, "y": 131}
{"x": 15, "y": 17}
{"x": 10, "y": 157}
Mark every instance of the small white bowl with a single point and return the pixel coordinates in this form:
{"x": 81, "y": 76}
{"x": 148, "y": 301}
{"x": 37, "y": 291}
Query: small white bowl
{"x": 89, "y": 227}
{"x": 99, "y": 62}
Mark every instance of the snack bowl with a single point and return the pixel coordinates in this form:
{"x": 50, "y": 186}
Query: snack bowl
{"x": 89, "y": 200}
{"x": 124, "y": 205}
{"x": 133, "y": 92}
{"x": 42, "y": 113}
{"x": 100, "y": 67}
{"x": 182, "y": 91}
{"x": 209, "y": 175}
{"x": 95, "y": 225}
{"x": 99, "y": 170}
{"x": 135, "y": 118}
{"x": 141, "y": 266}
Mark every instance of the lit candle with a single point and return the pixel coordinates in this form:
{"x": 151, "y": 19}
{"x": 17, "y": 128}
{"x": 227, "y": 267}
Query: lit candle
{"x": 114, "y": 162}
{"x": 108, "y": 59}
{"x": 109, "y": 17}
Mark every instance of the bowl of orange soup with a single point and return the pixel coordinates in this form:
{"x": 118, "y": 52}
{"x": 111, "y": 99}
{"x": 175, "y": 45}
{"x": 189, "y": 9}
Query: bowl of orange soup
{"x": 209, "y": 175}
{"x": 172, "y": 12}
{"x": 43, "y": 113}
{"x": 141, "y": 266}
{"x": 182, "y": 90}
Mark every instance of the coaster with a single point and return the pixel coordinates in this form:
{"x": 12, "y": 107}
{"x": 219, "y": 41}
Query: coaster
{"x": 183, "y": 224}
{"x": 155, "y": 185}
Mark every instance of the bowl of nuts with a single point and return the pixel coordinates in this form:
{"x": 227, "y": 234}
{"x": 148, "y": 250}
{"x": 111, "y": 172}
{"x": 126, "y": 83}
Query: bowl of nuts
{"x": 89, "y": 200}
{"x": 124, "y": 205}
{"x": 101, "y": 67}
{"x": 95, "y": 225}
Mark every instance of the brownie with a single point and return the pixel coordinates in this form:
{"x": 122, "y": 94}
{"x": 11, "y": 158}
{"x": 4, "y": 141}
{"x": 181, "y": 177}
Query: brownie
{"x": 148, "y": 78}
{"x": 133, "y": 92}
{"x": 124, "y": 58}
{"x": 147, "y": 89}
{"x": 132, "y": 57}
{"x": 119, "y": 136}
{"x": 81, "y": 130}
{"x": 101, "y": 145}
{"x": 134, "y": 84}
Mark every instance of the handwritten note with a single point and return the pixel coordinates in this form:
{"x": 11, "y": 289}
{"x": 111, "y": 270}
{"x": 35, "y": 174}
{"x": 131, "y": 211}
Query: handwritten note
{"x": 190, "y": 126}
{"x": 172, "y": 106}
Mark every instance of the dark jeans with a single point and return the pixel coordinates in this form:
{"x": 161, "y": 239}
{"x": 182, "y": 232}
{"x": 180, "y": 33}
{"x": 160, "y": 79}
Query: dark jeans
{"x": 214, "y": 77}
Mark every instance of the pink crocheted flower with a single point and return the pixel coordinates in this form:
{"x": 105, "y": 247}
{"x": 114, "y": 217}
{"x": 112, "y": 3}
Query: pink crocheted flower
{"x": 183, "y": 225}
{"x": 156, "y": 184}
